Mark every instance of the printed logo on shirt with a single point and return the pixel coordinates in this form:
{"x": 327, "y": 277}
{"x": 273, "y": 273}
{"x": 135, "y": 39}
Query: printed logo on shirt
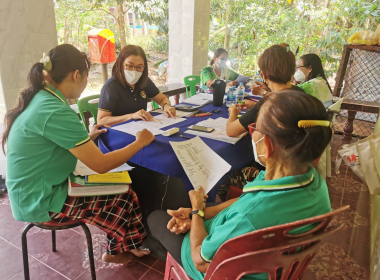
{"x": 143, "y": 94}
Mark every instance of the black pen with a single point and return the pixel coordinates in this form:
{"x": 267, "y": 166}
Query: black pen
{"x": 184, "y": 136}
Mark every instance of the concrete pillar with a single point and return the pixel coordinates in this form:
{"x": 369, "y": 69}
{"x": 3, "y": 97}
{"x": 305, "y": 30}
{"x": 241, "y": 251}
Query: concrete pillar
{"x": 27, "y": 29}
{"x": 189, "y": 22}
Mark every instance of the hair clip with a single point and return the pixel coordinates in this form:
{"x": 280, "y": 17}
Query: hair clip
{"x": 312, "y": 123}
{"x": 46, "y": 62}
{"x": 287, "y": 48}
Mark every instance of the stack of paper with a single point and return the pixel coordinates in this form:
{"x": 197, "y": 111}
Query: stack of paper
{"x": 202, "y": 165}
{"x": 179, "y": 114}
{"x": 199, "y": 99}
{"x": 82, "y": 170}
{"x": 219, "y": 132}
{"x": 154, "y": 127}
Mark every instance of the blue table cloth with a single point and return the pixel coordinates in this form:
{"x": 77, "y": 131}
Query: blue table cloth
{"x": 160, "y": 157}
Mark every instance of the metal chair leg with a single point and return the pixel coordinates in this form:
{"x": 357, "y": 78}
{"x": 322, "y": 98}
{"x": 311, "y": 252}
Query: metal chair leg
{"x": 24, "y": 245}
{"x": 90, "y": 251}
{"x": 53, "y": 241}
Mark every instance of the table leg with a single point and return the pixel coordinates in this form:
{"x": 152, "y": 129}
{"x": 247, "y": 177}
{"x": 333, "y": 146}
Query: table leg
{"x": 176, "y": 99}
{"x": 349, "y": 128}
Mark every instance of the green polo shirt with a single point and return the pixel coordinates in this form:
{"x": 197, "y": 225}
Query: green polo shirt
{"x": 38, "y": 159}
{"x": 262, "y": 204}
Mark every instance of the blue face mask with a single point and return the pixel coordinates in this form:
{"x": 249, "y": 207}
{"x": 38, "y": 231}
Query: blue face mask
{"x": 255, "y": 151}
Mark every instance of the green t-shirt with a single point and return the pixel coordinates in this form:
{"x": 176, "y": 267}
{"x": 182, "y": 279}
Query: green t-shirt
{"x": 38, "y": 159}
{"x": 262, "y": 204}
{"x": 209, "y": 74}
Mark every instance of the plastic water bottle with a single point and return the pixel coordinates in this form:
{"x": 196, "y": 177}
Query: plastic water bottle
{"x": 231, "y": 97}
{"x": 240, "y": 92}
{"x": 258, "y": 78}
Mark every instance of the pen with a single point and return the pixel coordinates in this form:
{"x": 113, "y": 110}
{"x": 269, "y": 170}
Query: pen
{"x": 202, "y": 115}
{"x": 157, "y": 121}
{"x": 184, "y": 136}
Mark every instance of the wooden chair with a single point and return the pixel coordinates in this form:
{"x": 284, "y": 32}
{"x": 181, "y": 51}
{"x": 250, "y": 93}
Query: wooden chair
{"x": 272, "y": 250}
{"x": 53, "y": 227}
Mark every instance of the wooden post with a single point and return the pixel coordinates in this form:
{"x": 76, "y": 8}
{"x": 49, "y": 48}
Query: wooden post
{"x": 349, "y": 128}
{"x": 104, "y": 72}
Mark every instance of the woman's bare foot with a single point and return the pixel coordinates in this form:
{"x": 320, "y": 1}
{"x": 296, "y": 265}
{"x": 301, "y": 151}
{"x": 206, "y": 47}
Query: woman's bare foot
{"x": 140, "y": 252}
{"x": 123, "y": 258}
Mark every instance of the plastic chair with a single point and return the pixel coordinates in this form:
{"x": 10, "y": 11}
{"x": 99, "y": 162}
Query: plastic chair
{"x": 191, "y": 82}
{"x": 324, "y": 163}
{"x": 53, "y": 227}
{"x": 155, "y": 106}
{"x": 271, "y": 250}
{"x": 84, "y": 106}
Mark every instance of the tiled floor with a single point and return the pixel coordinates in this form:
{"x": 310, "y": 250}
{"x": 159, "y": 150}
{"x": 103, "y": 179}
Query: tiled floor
{"x": 344, "y": 255}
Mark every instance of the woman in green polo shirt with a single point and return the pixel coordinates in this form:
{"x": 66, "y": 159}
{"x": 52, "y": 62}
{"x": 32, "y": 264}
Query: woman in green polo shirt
{"x": 291, "y": 131}
{"x": 218, "y": 70}
{"x": 45, "y": 138}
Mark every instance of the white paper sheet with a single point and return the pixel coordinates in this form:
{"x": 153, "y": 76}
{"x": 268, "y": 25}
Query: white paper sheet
{"x": 82, "y": 169}
{"x": 242, "y": 79}
{"x": 199, "y": 99}
{"x": 179, "y": 114}
{"x": 202, "y": 165}
{"x": 219, "y": 132}
{"x": 165, "y": 121}
{"x": 134, "y": 127}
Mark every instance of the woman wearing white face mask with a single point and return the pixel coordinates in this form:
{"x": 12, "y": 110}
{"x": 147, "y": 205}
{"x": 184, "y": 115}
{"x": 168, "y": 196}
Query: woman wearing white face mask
{"x": 312, "y": 79}
{"x": 218, "y": 70}
{"x": 124, "y": 96}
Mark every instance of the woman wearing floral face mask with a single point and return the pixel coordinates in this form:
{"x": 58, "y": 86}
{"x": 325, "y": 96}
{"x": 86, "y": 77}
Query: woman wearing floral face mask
{"x": 312, "y": 79}
{"x": 124, "y": 96}
{"x": 218, "y": 70}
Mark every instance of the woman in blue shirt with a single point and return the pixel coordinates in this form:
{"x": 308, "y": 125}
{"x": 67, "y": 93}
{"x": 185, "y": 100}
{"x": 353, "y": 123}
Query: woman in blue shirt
{"x": 291, "y": 131}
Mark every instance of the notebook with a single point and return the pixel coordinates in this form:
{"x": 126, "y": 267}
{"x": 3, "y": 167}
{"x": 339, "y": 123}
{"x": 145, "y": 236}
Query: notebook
{"x": 114, "y": 177}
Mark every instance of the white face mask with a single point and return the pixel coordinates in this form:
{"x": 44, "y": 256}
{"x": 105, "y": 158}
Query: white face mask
{"x": 221, "y": 64}
{"x": 255, "y": 151}
{"x": 299, "y": 76}
{"x": 132, "y": 76}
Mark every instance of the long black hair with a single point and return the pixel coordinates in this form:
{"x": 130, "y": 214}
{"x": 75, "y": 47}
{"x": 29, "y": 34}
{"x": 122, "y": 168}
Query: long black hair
{"x": 217, "y": 53}
{"x": 312, "y": 60}
{"x": 65, "y": 59}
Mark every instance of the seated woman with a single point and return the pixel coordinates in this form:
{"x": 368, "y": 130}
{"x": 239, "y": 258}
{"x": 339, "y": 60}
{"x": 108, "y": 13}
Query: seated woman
{"x": 124, "y": 96}
{"x": 44, "y": 140}
{"x": 312, "y": 79}
{"x": 277, "y": 65}
{"x": 218, "y": 70}
{"x": 286, "y": 148}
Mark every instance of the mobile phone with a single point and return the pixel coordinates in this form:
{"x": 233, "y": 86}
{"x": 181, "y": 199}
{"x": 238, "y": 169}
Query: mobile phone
{"x": 201, "y": 128}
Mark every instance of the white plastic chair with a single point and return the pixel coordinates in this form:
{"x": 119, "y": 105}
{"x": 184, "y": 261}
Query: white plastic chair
{"x": 324, "y": 165}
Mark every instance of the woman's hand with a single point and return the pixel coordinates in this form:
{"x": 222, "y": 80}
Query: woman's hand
{"x": 144, "y": 137}
{"x": 198, "y": 199}
{"x": 142, "y": 115}
{"x": 180, "y": 222}
{"x": 234, "y": 110}
{"x": 169, "y": 111}
{"x": 232, "y": 84}
{"x": 247, "y": 104}
{"x": 95, "y": 131}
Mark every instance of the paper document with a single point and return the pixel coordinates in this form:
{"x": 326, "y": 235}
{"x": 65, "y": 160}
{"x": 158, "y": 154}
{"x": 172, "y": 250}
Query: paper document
{"x": 219, "y": 132}
{"x": 202, "y": 165}
{"x": 242, "y": 79}
{"x": 82, "y": 170}
{"x": 134, "y": 127}
{"x": 179, "y": 114}
{"x": 199, "y": 99}
{"x": 165, "y": 121}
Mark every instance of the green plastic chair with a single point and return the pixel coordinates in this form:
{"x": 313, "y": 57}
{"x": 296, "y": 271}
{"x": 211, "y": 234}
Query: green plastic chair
{"x": 84, "y": 106}
{"x": 191, "y": 81}
{"x": 155, "y": 105}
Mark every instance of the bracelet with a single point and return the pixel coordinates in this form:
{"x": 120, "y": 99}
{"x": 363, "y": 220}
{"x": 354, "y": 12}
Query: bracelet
{"x": 163, "y": 106}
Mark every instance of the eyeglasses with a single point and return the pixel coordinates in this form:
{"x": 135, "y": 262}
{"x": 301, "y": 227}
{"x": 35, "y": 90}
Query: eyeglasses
{"x": 139, "y": 68}
{"x": 302, "y": 66}
{"x": 252, "y": 127}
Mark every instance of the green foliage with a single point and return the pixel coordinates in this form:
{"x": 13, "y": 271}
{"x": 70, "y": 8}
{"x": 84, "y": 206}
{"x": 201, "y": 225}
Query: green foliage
{"x": 150, "y": 43}
{"x": 321, "y": 27}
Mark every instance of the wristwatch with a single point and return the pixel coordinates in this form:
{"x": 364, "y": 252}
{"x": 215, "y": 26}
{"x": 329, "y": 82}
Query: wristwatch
{"x": 163, "y": 106}
{"x": 199, "y": 212}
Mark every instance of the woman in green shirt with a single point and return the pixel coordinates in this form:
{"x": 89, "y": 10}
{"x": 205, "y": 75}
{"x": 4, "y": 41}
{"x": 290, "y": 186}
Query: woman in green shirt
{"x": 286, "y": 147}
{"x": 218, "y": 70}
{"x": 45, "y": 138}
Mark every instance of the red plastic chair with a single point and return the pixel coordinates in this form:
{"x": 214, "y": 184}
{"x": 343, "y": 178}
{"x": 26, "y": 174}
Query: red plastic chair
{"x": 271, "y": 250}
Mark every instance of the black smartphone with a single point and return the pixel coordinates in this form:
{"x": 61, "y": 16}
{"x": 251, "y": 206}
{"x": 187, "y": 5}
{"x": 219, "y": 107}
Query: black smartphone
{"x": 201, "y": 128}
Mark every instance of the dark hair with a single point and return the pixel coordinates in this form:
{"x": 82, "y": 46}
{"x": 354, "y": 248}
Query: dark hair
{"x": 118, "y": 67}
{"x": 278, "y": 63}
{"x": 65, "y": 59}
{"x": 312, "y": 60}
{"x": 217, "y": 53}
{"x": 280, "y": 115}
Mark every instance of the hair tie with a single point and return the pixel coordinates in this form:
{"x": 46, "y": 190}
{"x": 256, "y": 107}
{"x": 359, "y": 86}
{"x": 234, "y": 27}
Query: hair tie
{"x": 47, "y": 65}
{"x": 287, "y": 48}
{"x": 313, "y": 123}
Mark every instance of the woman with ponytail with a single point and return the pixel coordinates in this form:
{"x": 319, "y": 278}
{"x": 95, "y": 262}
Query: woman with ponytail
{"x": 44, "y": 139}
